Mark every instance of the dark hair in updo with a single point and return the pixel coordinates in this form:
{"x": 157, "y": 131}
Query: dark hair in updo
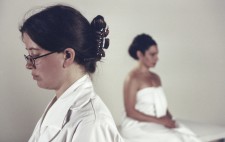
{"x": 141, "y": 43}
{"x": 58, "y": 27}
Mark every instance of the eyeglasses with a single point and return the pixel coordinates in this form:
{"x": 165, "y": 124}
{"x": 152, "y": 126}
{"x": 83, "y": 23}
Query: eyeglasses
{"x": 31, "y": 60}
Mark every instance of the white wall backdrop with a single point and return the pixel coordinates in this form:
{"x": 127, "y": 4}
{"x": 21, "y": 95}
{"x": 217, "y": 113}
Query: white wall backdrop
{"x": 191, "y": 39}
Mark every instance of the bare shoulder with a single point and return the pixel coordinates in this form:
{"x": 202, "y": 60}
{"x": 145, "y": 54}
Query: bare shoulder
{"x": 132, "y": 79}
{"x": 132, "y": 76}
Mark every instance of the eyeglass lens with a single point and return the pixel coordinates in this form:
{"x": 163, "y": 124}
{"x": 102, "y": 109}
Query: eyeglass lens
{"x": 29, "y": 59}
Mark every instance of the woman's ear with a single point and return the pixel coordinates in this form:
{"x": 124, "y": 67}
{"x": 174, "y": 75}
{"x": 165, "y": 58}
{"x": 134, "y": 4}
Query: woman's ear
{"x": 69, "y": 56}
{"x": 139, "y": 55}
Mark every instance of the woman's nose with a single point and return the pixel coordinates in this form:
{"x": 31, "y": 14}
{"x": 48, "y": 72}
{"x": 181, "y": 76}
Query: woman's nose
{"x": 156, "y": 58}
{"x": 29, "y": 66}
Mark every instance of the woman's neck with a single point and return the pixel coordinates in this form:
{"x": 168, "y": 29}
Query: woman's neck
{"x": 70, "y": 78}
{"x": 142, "y": 68}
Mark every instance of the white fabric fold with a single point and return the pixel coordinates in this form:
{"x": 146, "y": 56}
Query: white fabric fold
{"x": 152, "y": 101}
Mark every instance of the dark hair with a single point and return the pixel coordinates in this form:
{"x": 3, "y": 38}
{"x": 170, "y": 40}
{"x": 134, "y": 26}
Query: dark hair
{"x": 141, "y": 43}
{"x": 58, "y": 27}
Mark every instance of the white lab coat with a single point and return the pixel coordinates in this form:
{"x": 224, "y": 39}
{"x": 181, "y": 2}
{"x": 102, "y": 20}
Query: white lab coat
{"x": 79, "y": 115}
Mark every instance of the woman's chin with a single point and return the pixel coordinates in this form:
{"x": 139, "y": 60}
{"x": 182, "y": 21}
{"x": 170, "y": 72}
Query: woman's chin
{"x": 41, "y": 85}
{"x": 153, "y": 65}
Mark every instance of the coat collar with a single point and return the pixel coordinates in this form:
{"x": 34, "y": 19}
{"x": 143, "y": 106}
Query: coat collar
{"x": 75, "y": 96}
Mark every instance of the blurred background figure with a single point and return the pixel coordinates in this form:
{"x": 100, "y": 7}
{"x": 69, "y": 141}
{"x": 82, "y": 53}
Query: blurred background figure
{"x": 147, "y": 115}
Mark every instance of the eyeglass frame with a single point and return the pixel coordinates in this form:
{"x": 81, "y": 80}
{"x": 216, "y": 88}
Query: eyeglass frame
{"x": 31, "y": 59}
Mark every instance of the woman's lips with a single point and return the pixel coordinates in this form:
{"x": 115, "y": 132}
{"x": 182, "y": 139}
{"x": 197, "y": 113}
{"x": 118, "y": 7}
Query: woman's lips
{"x": 35, "y": 77}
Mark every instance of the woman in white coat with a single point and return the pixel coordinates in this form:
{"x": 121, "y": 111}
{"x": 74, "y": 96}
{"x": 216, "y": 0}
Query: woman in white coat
{"x": 63, "y": 49}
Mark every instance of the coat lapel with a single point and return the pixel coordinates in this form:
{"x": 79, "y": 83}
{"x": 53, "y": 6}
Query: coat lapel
{"x": 55, "y": 117}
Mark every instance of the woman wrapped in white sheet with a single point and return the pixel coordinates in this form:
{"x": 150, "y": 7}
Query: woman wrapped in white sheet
{"x": 147, "y": 116}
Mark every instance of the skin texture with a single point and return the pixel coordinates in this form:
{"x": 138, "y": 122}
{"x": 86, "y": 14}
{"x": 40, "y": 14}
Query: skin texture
{"x": 55, "y": 71}
{"x": 141, "y": 77}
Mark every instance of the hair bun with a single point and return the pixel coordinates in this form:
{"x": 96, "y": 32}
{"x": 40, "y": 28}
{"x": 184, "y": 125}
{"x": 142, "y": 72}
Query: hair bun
{"x": 101, "y": 31}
